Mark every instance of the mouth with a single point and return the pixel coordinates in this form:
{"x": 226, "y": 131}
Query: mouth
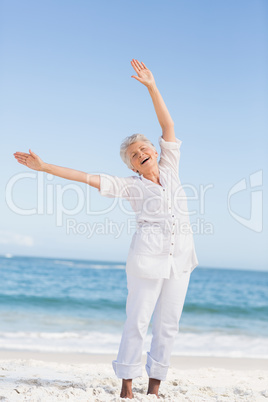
{"x": 145, "y": 160}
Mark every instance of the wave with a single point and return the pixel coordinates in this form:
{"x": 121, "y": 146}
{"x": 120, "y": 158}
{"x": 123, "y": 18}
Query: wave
{"x": 186, "y": 344}
{"x": 96, "y": 302}
{"x": 230, "y": 310}
{"x": 64, "y": 302}
{"x": 90, "y": 265}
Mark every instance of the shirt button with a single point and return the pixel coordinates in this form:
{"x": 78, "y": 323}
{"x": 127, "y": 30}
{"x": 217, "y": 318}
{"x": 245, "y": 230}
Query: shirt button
{"x": 173, "y": 233}
{"x": 170, "y": 254}
{"x": 172, "y": 244}
{"x": 172, "y": 216}
{"x": 163, "y": 189}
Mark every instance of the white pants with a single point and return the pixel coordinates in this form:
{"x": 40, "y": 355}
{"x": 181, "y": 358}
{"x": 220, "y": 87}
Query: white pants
{"x": 163, "y": 297}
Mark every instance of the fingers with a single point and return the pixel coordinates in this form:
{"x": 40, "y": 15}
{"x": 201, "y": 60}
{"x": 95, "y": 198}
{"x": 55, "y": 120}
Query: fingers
{"x": 20, "y": 154}
{"x": 21, "y": 157}
{"x": 22, "y": 163}
{"x": 22, "y": 160}
{"x": 143, "y": 65}
{"x": 32, "y": 153}
{"x": 137, "y": 65}
{"x": 134, "y": 66}
{"x": 24, "y": 157}
{"x": 137, "y": 78}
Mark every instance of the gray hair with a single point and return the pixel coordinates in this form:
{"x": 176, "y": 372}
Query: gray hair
{"x": 131, "y": 140}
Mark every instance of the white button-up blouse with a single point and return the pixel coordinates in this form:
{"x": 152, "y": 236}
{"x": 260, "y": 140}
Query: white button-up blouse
{"x": 163, "y": 239}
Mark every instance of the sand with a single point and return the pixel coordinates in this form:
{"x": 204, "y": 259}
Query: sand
{"x": 33, "y": 376}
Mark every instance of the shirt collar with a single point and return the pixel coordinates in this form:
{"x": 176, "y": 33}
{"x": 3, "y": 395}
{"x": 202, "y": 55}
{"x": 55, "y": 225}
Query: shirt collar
{"x": 151, "y": 182}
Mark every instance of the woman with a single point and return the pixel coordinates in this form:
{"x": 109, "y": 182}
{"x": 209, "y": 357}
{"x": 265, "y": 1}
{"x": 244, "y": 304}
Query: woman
{"x": 162, "y": 254}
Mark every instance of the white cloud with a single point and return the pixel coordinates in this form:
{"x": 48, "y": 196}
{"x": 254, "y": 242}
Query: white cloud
{"x": 15, "y": 238}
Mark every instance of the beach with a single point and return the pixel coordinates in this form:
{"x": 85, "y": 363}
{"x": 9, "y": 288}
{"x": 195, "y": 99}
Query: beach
{"x": 61, "y": 322}
{"x": 33, "y": 376}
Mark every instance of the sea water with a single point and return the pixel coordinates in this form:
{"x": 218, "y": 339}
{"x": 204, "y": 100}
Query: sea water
{"x": 49, "y": 304}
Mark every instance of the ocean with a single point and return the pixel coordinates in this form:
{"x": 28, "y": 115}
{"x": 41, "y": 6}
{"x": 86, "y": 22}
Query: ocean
{"x": 63, "y": 305}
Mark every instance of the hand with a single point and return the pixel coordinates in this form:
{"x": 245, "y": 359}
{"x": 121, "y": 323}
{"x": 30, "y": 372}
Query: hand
{"x": 144, "y": 75}
{"x": 30, "y": 160}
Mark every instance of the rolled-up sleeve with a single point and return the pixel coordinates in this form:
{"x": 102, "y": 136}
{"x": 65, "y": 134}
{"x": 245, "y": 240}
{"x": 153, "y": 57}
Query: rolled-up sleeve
{"x": 170, "y": 153}
{"x": 113, "y": 186}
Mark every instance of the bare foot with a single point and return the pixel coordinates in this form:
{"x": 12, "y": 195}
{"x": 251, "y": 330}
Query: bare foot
{"x": 153, "y": 386}
{"x": 126, "y": 391}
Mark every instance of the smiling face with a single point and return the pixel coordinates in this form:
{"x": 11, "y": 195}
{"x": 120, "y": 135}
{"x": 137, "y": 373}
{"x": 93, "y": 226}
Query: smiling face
{"x": 142, "y": 157}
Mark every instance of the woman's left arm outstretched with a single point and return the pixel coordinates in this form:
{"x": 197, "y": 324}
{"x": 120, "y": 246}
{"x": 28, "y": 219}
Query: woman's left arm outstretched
{"x": 145, "y": 76}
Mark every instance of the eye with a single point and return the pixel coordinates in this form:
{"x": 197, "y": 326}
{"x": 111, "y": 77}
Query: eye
{"x": 133, "y": 155}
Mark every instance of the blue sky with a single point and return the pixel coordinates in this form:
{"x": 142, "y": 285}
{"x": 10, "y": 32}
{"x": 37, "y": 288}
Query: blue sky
{"x": 67, "y": 93}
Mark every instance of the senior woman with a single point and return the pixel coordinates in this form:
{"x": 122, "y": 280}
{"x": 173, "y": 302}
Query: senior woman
{"x": 162, "y": 253}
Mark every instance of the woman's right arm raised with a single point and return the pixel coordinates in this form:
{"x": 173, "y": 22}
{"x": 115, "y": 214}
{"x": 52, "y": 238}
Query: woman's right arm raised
{"x": 34, "y": 162}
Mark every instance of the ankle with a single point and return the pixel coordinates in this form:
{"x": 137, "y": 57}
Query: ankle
{"x": 126, "y": 391}
{"x": 153, "y": 386}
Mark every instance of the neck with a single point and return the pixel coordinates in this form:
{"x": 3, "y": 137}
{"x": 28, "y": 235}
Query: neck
{"x": 153, "y": 175}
